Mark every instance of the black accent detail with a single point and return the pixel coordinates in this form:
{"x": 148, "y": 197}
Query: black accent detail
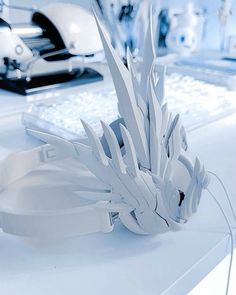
{"x": 232, "y": 59}
{"x": 4, "y": 24}
{"x": 181, "y": 197}
{"x": 162, "y": 218}
{"x": 11, "y": 64}
{"x": 126, "y": 13}
{"x": 49, "y": 82}
{"x": 50, "y": 32}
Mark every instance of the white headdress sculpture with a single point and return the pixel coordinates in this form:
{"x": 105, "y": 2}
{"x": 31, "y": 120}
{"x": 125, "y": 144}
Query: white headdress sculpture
{"x": 141, "y": 159}
{"x": 141, "y": 170}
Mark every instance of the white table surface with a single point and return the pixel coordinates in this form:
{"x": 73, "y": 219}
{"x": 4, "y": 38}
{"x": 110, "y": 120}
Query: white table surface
{"x": 121, "y": 262}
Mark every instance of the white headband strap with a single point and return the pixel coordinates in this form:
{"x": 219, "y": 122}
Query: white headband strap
{"x": 46, "y": 224}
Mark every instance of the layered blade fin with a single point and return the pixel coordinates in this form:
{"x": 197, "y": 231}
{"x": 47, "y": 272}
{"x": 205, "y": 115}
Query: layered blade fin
{"x": 130, "y": 156}
{"x": 159, "y": 84}
{"x": 155, "y": 117}
{"x": 148, "y": 58}
{"x": 114, "y": 148}
{"x": 95, "y": 143}
{"x": 63, "y": 147}
{"x": 126, "y": 97}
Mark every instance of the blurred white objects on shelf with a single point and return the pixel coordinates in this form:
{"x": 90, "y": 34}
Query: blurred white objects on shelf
{"x": 198, "y": 102}
{"x": 64, "y": 115}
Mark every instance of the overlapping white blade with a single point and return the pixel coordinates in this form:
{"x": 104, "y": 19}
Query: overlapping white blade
{"x": 155, "y": 112}
{"x": 200, "y": 180}
{"x": 130, "y": 155}
{"x": 192, "y": 187}
{"x": 140, "y": 101}
{"x": 149, "y": 56}
{"x": 155, "y": 117}
{"x": 114, "y": 148}
{"x": 95, "y": 143}
{"x": 165, "y": 119}
{"x": 63, "y": 147}
{"x": 109, "y": 175}
{"x": 175, "y": 143}
{"x": 158, "y": 75}
{"x": 127, "y": 101}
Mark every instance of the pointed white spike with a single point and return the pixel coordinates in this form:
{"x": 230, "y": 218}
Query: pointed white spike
{"x": 170, "y": 127}
{"x": 168, "y": 169}
{"x": 130, "y": 63}
{"x": 155, "y": 111}
{"x": 95, "y": 143}
{"x": 206, "y": 180}
{"x": 130, "y": 159}
{"x": 199, "y": 178}
{"x": 107, "y": 174}
{"x": 192, "y": 186}
{"x": 148, "y": 57}
{"x": 155, "y": 117}
{"x": 160, "y": 84}
{"x": 175, "y": 143}
{"x": 196, "y": 198}
{"x": 165, "y": 118}
{"x": 126, "y": 97}
{"x": 164, "y": 160}
{"x": 61, "y": 145}
{"x": 169, "y": 123}
{"x": 192, "y": 206}
{"x": 141, "y": 103}
{"x": 114, "y": 148}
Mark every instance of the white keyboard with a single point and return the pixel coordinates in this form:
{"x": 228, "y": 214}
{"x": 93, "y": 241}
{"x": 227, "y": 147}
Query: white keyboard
{"x": 197, "y": 102}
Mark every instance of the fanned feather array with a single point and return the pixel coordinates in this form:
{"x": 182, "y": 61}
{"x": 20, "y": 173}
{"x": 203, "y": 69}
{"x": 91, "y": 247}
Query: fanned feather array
{"x": 147, "y": 175}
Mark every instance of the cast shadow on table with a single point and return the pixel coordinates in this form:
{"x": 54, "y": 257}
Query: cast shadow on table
{"x": 19, "y": 255}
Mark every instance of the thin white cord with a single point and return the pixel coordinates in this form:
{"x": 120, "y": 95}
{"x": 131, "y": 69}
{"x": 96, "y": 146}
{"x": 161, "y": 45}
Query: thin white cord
{"x": 226, "y": 193}
{"x": 231, "y": 237}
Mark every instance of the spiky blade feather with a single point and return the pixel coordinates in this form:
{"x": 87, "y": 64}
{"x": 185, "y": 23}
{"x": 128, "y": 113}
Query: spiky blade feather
{"x": 107, "y": 174}
{"x": 95, "y": 143}
{"x": 155, "y": 117}
{"x": 114, "y": 147}
{"x": 159, "y": 88}
{"x": 175, "y": 143}
{"x": 126, "y": 97}
{"x": 192, "y": 187}
{"x": 63, "y": 147}
{"x": 130, "y": 159}
{"x": 148, "y": 58}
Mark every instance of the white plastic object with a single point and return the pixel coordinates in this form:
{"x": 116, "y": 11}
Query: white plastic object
{"x": 182, "y": 37}
{"x": 152, "y": 182}
{"x": 13, "y": 47}
{"x": 76, "y": 26}
{"x": 28, "y": 213}
{"x": 141, "y": 169}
